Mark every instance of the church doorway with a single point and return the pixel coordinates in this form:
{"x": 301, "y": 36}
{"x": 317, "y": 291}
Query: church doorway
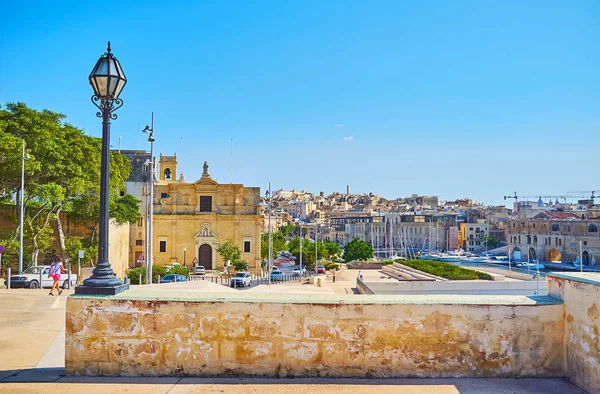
{"x": 205, "y": 256}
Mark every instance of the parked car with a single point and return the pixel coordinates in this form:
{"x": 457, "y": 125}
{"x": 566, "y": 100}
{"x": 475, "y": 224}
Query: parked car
{"x": 30, "y": 278}
{"x": 297, "y": 271}
{"x": 172, "y": 278}
{"x": 241, "y": 279}
{"x": 276, "y": 276}
{"x": 200, "y": 270}
{"x": 320, "y": 269}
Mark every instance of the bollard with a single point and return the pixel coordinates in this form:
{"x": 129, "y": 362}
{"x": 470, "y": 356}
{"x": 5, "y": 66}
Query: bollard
{"x": 68, "y": 279}
{"x": 8, "y": 279}
{"x": 41, "y": 278}
{"x": 158, "y": 278}
{"x": 140, "y": 279}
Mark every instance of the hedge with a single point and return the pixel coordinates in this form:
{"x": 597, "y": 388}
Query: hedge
{"x": 445, "y": 270}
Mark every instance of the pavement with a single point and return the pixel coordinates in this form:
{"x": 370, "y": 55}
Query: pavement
{"x": 32, "y": 325}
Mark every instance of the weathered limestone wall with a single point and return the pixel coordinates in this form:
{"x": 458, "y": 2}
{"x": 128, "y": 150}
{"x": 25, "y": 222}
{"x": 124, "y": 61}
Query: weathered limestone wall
{"x": 325, "y": 335}
{"x": 453, "y": 287}
{"x": 581, "y": 295}
{"x": 118, "y": 248}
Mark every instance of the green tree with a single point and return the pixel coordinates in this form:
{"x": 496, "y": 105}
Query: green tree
{"x": 357, "y": 249}
{"x": 490, "y": 241}
{"x": 62, "y": 173}
{"x": 229, "y": 251}
{"x": 278, "y": 243}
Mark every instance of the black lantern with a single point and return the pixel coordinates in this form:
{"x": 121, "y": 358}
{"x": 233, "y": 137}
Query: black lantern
{"x": 107, "y": 79}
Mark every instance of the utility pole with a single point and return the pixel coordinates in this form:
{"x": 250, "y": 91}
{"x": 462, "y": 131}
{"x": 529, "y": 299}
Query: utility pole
{"x": 150, "y": 257}
{"x": 22, "y": 210}
{"x": 301, "y": 242}
{"x": 270, "y": 245}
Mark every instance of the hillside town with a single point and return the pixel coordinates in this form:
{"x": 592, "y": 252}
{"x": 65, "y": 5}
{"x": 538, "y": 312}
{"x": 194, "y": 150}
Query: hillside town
{"x": 427, "y": 224}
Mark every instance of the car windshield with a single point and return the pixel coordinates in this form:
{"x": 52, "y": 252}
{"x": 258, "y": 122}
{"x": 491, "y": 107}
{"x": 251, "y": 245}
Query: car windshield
{"x": 33, "y": 270}
{"x": 240, "y": 275}
{"x": 169, "y": 277}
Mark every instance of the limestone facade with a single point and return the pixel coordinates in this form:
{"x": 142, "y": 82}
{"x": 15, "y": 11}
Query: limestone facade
{"x": 554, "y": 240}
{"x": 192, "y": 219}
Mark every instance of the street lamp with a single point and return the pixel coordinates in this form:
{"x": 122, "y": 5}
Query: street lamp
{"x": 184, "y": 252}
{"x": 268, "y": 193}
{"x": 301, "y": 242}
{"x": 23, "y": 157}
{"x": 150, "y": 255}
{"x": 107, "y": 79}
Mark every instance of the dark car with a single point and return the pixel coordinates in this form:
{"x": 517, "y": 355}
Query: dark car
{"x": 320, "y": 269}
{"x": 172, "y": 278}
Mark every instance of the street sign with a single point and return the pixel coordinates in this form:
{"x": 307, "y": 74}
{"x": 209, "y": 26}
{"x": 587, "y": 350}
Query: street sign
{"x": 140, "y": 259}
{"x": 81, "y": 254}
{"x": 1, "y": 249}
{"x": 195, "y": 261}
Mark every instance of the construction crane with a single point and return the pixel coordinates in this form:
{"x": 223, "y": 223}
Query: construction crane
{"x": 547, "y": 196}
{"x": 584, "y": 192}
{"x": 515, "y": 197}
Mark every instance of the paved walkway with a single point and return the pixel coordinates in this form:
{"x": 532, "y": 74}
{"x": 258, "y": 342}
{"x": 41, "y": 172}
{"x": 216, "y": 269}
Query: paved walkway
{"x": 32, "y": 361}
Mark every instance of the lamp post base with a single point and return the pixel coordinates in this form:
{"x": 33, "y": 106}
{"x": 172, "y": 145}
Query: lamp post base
{"x": 104, "y": 290}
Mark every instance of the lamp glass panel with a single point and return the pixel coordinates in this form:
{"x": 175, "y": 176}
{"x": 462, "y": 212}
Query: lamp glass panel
{"x": 120, "y": 86}
{"x": 112, "y": 86}
{"x": 101, "y": 82}
{"x": 94, "y": 85}
{"x": 101, "y": 67}
{"x": 118, "y": 69}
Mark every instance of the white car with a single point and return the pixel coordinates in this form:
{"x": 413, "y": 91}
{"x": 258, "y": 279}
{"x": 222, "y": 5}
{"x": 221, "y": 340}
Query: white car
{"x": 200, "y": 270}
{"x": 241, "y": 279}
{"x": 30, "y": 278}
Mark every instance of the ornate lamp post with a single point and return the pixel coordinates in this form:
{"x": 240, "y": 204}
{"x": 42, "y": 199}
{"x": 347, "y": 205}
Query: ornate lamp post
{"x": 107, "y": 79}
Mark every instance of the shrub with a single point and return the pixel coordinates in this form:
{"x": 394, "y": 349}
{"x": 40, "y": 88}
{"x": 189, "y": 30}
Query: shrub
{"x": 134, "y": 274}
{"x": 177, "y": 269}
{"x": 329, "y": 265}
{"x": 445, "y": 270}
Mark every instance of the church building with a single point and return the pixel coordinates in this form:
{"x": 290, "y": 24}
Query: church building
{"x": 192, "y": 219}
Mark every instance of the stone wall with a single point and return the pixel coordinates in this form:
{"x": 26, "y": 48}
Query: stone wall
{"x": 453, "y": 287}
{"x": 118, "y": 248}
{"x": 316, "y": 335}
{"x": 581, "y": 295}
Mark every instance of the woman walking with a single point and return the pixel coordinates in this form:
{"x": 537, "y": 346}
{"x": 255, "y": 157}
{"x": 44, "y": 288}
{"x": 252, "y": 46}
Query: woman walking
{"x": 56, "y": 268}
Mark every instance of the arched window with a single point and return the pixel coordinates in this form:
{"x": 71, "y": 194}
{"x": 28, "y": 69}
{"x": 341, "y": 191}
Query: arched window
{"x": 167, "y": 173}
{"x": 529, "y": 240}
{"x": 592, "y": 228}
{"x": 555, "y": 227}
{"x": 535, "y": 239}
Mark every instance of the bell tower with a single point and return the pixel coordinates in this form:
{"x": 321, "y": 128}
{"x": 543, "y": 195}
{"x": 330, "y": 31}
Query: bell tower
{"x": 168, "y": 167}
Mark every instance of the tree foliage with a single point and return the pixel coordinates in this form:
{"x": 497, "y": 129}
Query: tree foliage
{"x": 62, "y": 174}
{"x": 278, "y": 243}
{"x": 229, "y": 251}
{"x": 357, "y": 249}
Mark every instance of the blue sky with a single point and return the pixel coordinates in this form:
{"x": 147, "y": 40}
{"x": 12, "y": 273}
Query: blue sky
{"x": 448, "y": 98}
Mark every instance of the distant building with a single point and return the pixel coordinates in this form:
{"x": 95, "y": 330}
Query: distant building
{"x": 471, "y": 236}
{"x": 554, "y": 236}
